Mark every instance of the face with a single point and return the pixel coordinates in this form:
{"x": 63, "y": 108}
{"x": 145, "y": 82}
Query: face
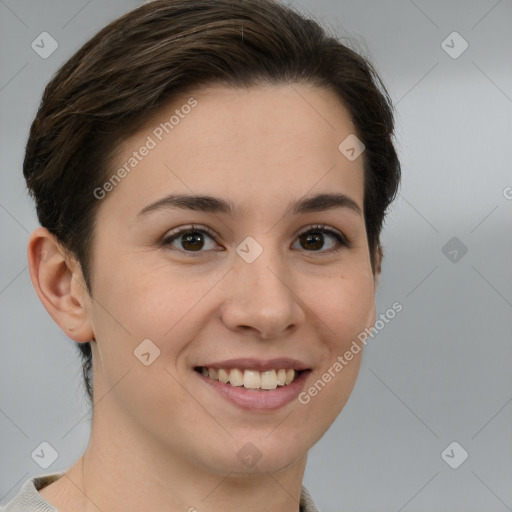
{"x": 271, "y": 272}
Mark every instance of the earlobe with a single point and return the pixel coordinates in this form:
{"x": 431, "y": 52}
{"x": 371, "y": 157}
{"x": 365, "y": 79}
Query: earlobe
{"x": 59, "y": 284}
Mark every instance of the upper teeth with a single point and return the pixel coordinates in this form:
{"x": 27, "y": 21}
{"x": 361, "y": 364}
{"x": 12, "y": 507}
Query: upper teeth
{"x": 251, "y": 379}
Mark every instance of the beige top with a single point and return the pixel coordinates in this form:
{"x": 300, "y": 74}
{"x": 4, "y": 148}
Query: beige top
{"x": 29, "y": 500}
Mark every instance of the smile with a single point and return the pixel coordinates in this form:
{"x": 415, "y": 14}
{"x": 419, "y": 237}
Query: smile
{"x": 255, "y": 385}
{"x": 251, "y": 379}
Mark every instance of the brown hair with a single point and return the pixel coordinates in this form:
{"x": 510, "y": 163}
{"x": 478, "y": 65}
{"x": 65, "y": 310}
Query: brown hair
{"x": 142, "y": 60}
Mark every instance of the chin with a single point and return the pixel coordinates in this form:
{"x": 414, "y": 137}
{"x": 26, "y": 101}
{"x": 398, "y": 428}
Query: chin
{"x": 259, "y": 453}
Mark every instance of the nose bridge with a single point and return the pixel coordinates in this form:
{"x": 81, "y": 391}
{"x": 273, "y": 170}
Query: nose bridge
{"x": 260, "y": 292}
{"x": 263, "y": 268}
{"x": 266, "y": 278}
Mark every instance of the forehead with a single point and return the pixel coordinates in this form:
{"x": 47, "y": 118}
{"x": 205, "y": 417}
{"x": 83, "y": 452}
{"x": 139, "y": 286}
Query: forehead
{"x": 256, "y": 146}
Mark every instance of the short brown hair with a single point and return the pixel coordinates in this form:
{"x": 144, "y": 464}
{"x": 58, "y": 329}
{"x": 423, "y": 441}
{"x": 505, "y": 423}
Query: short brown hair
{"x": 140, "y": 61}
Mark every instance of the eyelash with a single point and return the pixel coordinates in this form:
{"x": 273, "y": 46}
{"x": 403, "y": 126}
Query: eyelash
{"x": 342, "y": 240}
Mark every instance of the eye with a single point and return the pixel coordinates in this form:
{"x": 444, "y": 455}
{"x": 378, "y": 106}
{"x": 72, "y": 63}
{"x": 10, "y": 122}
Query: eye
{"x": 193, "y": 239}
{"x": 190, "y": 239}
{"x": 314, "y": 239}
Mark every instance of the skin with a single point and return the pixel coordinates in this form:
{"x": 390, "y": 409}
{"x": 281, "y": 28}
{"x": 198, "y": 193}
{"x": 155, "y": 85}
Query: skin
{"x": 160, "y": 437}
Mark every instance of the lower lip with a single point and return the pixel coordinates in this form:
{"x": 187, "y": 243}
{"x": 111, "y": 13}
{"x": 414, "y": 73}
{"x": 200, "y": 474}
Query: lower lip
{"x": 267, "y": 400}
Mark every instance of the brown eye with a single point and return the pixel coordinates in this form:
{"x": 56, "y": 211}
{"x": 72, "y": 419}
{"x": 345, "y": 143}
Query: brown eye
{"x": 193, "y": 241}
{"x": 314, "y": 240}
{"x": 190, "y": 239}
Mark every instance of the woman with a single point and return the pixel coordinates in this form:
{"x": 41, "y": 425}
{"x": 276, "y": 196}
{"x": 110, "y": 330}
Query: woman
{"x": 211, "y": 180}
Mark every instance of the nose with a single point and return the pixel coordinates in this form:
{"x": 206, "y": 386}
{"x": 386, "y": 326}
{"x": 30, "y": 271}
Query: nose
{"x": 262, "y": 298}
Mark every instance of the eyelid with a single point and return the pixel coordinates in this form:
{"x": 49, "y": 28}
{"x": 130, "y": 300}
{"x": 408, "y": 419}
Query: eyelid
{"x": 189, "y": 227}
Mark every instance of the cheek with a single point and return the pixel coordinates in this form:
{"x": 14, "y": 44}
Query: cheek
{"x": 169, "y": 300}
{"x": 152, "y": 300}
{"x": 346, "y": 307}
{"x": 138, "y": 311}
{"x": 139, "y": 295}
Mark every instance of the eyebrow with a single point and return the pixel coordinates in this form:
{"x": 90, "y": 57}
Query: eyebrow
{"x": 210, "y": 204}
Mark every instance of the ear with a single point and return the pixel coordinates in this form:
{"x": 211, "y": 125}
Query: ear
{"x": 59, "y": 283}
{"x": 378, "y": 265}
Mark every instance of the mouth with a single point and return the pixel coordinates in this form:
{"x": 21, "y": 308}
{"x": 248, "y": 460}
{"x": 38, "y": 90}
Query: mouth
{"x": 254, "y": 384}
{"x": 252, "y": 379}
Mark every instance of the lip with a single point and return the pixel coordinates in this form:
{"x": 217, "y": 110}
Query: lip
{"x": 257, "y": 400}
{"x": 249, "y": 363}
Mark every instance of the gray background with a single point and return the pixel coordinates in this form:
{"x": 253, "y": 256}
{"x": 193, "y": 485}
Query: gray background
{"x": 439, "y": 372}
